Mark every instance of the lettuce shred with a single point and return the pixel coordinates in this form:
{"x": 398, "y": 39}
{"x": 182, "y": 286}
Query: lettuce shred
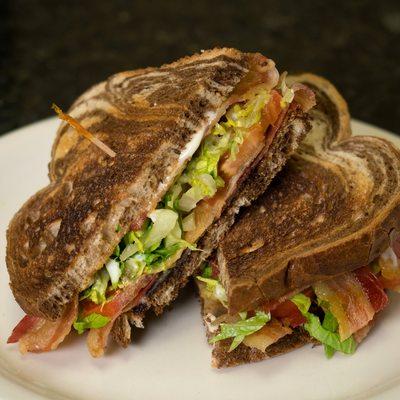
{"x": 147, "y": 250}
{"x": 239, "y": 330}
{"x": 92, "y": 321}
{"x": 326, "y": 332}
{"x": 213, "y": 286}
{"x": 287, "y": 92}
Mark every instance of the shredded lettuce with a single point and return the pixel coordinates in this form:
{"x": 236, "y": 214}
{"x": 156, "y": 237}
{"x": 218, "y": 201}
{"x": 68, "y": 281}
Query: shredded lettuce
{"x": 207, "y": 271}
{"x": 331, "y": 339}
{"x": 97, "y": 291}
{"x": 91, "y": 321}
{"x": 201, "y": 177}
{"x": 213, "y": 286}
{"x": 239, "y": 330}
{"x": 134, "y": 267}
{"x": 330, "y": 324}
{"x": 326, "y": 332}
{"x": 114, "y": 271}
{"x": 302, "y": 302}
{"x": 250, "y": 114}
{"x": 164, "y": 222}
{"x": 146, "y": 251}
{"x": 215, "y": 289}
{"x": 287, "y": 92}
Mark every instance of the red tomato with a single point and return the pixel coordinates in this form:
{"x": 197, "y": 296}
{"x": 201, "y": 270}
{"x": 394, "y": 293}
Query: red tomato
{"x": 288, "y": 313}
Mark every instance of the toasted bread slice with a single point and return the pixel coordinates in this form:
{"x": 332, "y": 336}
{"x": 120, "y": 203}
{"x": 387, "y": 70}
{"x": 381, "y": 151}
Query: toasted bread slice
{"x": 64, "y": 233}
{"x": 329, "y": 211}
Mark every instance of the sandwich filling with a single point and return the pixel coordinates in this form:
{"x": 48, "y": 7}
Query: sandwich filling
{"x": 337, "y": 313}
{"x": 195, "y": 200}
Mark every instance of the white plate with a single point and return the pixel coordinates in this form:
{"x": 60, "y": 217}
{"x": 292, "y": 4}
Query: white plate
{"x": 171, "y": 359}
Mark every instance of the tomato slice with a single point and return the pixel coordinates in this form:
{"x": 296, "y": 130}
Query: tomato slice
{"x": 288, "y": 313}
{"x": 121, "y": 299}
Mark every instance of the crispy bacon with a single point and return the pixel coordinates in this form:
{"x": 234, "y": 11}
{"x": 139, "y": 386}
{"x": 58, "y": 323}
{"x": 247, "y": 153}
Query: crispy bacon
{"x": 372, "y": 287}
{"x": 354, "y": 298}
{"x": 362, "y": 333}
{"x": 39, "y": 335}
{"x": 389, "y": 264}
{"x": 271, "y": 305}
{"x": 303, "y": 96}
{"x": 122, "y": 301}
{"x": 26, "y": 324}
{"x": 262, "y": 73}
{"x": 348, "y": 302}
{"x": 267, "y": 335}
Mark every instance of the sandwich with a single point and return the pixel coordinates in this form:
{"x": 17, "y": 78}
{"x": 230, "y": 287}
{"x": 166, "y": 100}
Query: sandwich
{"x": 311, "y": 259}
{"x": 130, "y": 214}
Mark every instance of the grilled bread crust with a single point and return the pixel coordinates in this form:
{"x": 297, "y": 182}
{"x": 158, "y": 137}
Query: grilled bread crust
{"x": 64, "y": 233}
{"x": 329, "y": 211}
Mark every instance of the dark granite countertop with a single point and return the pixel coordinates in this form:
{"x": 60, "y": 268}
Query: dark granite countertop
{"x": 53, "y": 50}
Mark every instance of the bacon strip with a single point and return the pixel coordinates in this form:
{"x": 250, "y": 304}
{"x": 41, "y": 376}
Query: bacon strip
{"x": 262, "y": 73}
{"x": 390, "y": 270}
{"x": 267, "y": 335}
{"x": 361, "y": 334}
{"x": 26, "y": 324}
{"x": 372, "y": 287}
{"x": 122, "y": 301}
{"x": 38, "y": 335}
{"x": 303, "y": 96}
{"x": 390, "y": 265}
{"x": 348, "y": 303}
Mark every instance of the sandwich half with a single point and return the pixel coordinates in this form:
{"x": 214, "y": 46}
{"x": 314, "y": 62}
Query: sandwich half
{"x": 116, "y": 234}
{"x": 310, "y": 261}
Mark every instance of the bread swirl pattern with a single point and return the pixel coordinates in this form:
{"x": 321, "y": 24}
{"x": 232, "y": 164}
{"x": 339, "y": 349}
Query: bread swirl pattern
{"x": 344, "y": 190}
{"x": 64, "y": 233}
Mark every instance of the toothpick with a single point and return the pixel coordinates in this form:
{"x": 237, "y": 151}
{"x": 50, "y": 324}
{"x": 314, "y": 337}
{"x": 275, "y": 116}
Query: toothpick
{"x": 82, "y": 131}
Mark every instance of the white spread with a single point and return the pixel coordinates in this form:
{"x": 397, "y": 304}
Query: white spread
{"x": 194, "y": 143}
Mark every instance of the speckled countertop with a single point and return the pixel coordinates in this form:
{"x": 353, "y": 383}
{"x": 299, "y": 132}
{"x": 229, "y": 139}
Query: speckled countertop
{"x": 53, "y": 50}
